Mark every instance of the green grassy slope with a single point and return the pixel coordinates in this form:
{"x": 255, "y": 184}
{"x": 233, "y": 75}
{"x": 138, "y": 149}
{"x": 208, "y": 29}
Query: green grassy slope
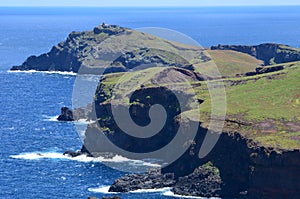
{"x": 264, "y": 108}
{"x": 232, "y": 62}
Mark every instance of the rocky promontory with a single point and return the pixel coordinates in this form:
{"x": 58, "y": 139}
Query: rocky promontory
{"x": 98, "y": 51}
{"x": 71, "y": 54}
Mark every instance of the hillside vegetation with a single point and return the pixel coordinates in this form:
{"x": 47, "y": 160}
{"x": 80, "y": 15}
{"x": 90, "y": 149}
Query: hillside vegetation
{"x": 231, "y": 62}
{"x": 264, "y": 108}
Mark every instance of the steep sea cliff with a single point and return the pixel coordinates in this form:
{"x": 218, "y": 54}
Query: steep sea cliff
{"x": 246, "y": 165}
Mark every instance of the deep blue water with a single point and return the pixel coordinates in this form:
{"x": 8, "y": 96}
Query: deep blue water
{"x": 29, "y": 101}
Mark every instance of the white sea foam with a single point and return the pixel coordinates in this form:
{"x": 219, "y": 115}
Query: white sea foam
{"x": 50, "y": 118}
{"x": 36, "y": 156}
{"x": 171, "y": 194}
{"x": 46, "y": 72}
{"x": 61, "y": 73}
{"x": 81, "y": 158}
{"x": 54, "y": 119}
{"x": 164, "y": 191}
{"x": 116, "y": 159}
{"x": 84, "y": 121}
{"x": 143, "y": 163}
{"x": 150, "y": 164}
{"x": 102, "y": 189}
{"x": 160, "y": 190}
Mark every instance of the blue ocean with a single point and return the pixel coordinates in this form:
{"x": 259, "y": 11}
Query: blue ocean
{"x": 32, "y": 141}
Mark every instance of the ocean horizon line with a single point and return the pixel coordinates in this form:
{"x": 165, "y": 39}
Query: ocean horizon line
{"x": 169, "y": 6}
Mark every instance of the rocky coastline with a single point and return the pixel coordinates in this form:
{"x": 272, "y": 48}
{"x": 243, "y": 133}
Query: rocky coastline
{"x": 237, "y": 167}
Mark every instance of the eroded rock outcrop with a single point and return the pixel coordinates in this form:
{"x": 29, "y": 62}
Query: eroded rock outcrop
{"x": 85, "y": 113}
{"x": 154, "y": 179}
{"x": 270, "y": 53}
{"x": 66, "y": 114}
{"x": 204, "y": 181}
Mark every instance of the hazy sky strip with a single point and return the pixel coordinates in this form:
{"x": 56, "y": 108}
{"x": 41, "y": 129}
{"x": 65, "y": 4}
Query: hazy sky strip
{"x": 131, "y": 3}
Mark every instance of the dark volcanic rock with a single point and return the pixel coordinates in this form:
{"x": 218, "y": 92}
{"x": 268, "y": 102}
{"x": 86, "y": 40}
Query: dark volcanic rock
{"x": 204, "y": 181}
{"x": 154, "y": 179}
{"x": 263, "y": 70}
{"x": 270, "y": 53}
{"x": 66, "y": 114}
{"x": 85, "y": 113}
{"x": 252, "y": 173}
{"x": 83, "y": 151}
{"x": 247, "y": 170}
{"x": 274, "y": 175}
{"x": 73, "y": 153}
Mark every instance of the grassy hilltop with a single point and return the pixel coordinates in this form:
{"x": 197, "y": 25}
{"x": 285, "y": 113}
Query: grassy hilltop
{"x": 264, "y": 108}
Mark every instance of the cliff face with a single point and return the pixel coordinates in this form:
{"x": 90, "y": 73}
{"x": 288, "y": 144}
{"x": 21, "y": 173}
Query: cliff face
{"x": 269, "y": 53}
{"x": 274, "y": 175}
{"x": 245, "y": 169}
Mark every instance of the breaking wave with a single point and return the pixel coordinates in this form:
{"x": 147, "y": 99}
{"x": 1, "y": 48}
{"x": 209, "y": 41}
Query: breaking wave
{"x": 46, "y": 72}
{"x": 163, "y": 191}
{"x": 82, "y": 158}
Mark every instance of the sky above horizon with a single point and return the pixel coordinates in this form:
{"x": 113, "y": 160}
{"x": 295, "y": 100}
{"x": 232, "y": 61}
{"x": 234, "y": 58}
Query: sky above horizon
{"x": 106, "y": 3}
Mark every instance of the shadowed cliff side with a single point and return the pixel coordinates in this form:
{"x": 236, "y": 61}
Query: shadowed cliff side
{"x": 245, "y": 168}
{"x": 256, "y": 157}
